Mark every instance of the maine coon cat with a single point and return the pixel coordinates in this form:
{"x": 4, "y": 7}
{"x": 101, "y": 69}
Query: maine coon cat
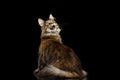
{"x": 56, "y": 61}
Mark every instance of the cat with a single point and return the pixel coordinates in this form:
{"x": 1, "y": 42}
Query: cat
{"x": 56, "y": 61}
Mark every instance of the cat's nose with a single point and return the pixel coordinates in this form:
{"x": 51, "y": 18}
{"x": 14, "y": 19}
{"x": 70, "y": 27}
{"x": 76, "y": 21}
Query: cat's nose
{"x": 52, "y": 27}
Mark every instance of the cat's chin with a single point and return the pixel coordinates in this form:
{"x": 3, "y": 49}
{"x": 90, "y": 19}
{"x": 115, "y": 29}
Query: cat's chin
{"x": 54, "y": 31}
{"x": 51, "y": 34}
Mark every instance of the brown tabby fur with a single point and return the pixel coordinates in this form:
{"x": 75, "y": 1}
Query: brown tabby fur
{"x": 56, "y": 61}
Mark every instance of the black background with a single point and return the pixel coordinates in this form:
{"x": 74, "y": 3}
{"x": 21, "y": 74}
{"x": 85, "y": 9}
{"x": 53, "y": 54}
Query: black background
{"x": 85, "y": 28}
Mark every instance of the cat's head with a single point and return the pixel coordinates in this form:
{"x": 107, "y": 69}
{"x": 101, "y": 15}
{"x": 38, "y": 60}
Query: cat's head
{"x": 49, "y": 27}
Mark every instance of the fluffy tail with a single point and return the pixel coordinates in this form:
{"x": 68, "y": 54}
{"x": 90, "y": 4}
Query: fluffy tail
{"x": 54, "y": 71}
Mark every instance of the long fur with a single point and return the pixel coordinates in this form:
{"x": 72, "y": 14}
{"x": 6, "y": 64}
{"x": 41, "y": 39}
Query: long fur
{"x": 56, "y": 61}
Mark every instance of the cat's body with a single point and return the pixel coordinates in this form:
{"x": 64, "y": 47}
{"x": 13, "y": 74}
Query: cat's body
{"x": 56, "y": 60}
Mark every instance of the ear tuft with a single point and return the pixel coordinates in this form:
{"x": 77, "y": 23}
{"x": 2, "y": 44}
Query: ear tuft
{"x": 51, "y": 16}
{"x": 41, "y": 22}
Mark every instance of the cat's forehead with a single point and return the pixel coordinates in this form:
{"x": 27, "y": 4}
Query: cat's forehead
{"x": 50, "y": 21}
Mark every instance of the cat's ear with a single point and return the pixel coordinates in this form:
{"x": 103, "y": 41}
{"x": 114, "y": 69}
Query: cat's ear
{"x": 41, "y": 22}
{"x": 51, "y": 17}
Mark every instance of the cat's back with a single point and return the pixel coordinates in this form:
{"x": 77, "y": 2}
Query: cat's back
{"x": 50, "y": 43}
